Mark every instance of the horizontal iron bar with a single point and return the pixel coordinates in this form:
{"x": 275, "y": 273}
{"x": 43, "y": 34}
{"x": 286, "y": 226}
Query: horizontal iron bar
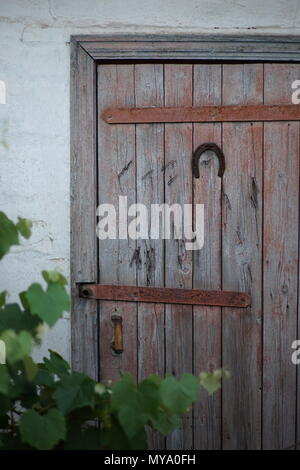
{"x": 165, "y": 295}
{"x": 290, "y": 112}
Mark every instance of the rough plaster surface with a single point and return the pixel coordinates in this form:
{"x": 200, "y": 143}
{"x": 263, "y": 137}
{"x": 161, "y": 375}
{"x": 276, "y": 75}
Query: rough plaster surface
{"x": 34, "y": 63}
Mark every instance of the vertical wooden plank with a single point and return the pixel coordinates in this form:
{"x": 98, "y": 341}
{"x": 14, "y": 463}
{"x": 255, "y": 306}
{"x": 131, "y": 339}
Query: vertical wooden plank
{"x": 149, "y": 91}
{"x": 207, "y": 261}
{"x": 241, "y": 260}
{"x": 178, "y": 261}
{"x": 297, "y": 444}
{"x": 83, "y": 209}
{"x": 116, "y": 166}
{"x": 281, "y": 199}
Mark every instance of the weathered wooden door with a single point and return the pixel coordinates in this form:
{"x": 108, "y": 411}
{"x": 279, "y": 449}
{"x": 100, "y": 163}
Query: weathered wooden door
{"x": 251, "y": 244}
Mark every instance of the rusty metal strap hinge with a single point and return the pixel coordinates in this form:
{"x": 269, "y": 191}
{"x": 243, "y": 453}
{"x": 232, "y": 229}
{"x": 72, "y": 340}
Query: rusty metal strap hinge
{"x": 260, "y": 112}
{"x": 165, "y": 295}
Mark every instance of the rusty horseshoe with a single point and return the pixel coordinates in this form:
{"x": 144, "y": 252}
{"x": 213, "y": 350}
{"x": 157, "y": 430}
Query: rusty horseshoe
{"x": 203, "y": 148}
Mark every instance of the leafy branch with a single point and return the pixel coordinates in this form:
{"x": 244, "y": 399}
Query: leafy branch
{"x": 47, "y": 406}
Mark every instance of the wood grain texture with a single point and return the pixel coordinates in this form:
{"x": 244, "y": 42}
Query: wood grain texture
{"x": 297, "y": 445}
{"x": 241, "y": 340}
{"x": 241, "y": 261}
{"x": 117, "y": 167}
{"x": 207, "y": 261}
{"x": 149, "y": 91}
{"x": 194, "y": 37}
{"x": 191, "y": 47}
{"x": 259, "y": 112}
{"x": 178, "y": 261}
{"x": 83, "y": 203}
{"x": 281, "y": 196}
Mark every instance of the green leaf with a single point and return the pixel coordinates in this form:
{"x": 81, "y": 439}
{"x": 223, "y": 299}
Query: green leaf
{"x": 3, "y": 296}
{"x": 43, "y": 431}
{"x": 114, "y": 437}
{"x": 82, "y": 439}
{"x": 5, "y": 404}
{"x": 211, "y": 381}
{"x": 12, "y": 318}
{"x": 30, "y": 367}
{"x": 139, "y": 441}
{"x": 54, "y": 277}
{"x": 74, "y": 391}
{"x": 123, "y": 390}
{"x": 4, "y": 421}
{"x": 178, "y": 396}
{"x": 149, "y": 397}
{"x": 23, "y": 299}
{"x": 135, "y": 405}
{"x": 49, "y": 305}
{"x": 56, "y": 364}
{"x": 43, "y": 377}
{"x": 165, "y": 423}
{"x": 12, "y": 442}
{"x": 132, "y": 418}
{"x": 17, "y": 345}
{"x": 4, "y": 380}
{"x": 190, "y": 386}
{"x": 8, "y": 234}
{"x": 21, "y": 389}
{"x": 24, "y": 227}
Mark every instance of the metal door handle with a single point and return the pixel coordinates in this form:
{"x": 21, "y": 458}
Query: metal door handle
{"x": 117, "y": 342}
{"x": 203, "y": 148}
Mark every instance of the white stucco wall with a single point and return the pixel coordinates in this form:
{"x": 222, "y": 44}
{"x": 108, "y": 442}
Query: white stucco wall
{"x": 34, "y": 63}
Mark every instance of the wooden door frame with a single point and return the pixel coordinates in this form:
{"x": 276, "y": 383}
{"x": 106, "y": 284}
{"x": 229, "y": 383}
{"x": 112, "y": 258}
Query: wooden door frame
{"x": 86, "y": 52}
